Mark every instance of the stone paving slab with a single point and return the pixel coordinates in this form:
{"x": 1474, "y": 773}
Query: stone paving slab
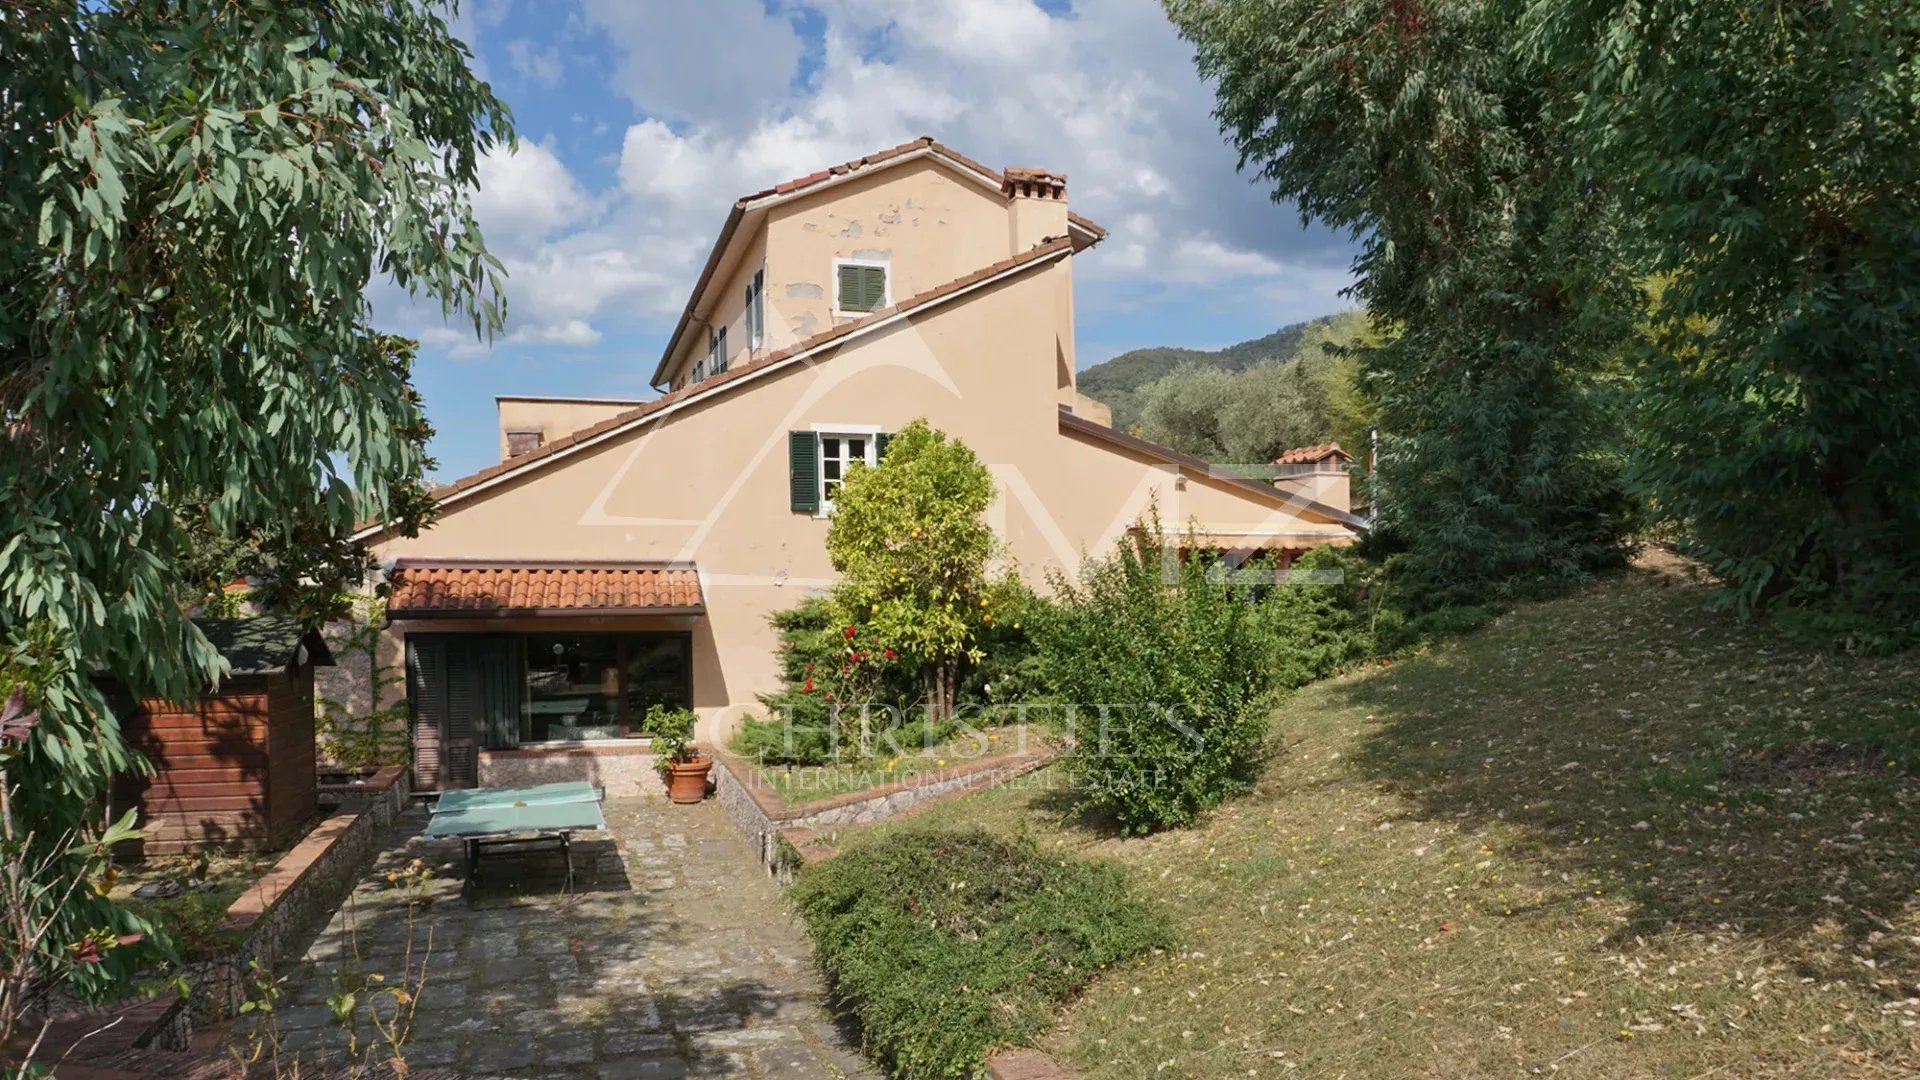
{"x": 672, "y": 955}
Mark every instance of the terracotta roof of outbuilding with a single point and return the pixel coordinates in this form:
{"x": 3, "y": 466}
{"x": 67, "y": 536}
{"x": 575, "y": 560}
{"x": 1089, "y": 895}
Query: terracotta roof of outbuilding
{"x": 447, "y": 587}
{"x": 812, "y": 179}
{"x": 1304, "y": 455}
{"x": 546, "y": 451}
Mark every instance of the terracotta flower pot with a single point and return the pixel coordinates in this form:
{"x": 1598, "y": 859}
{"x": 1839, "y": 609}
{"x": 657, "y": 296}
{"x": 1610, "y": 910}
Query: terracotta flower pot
{"x": 687, "y": 780}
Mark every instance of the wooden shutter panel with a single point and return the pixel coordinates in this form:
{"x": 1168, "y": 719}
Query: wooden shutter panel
{"x": 803, "y": 470}
{"x": 427, "y": 694}
{"x": 880, "y": 446}
{"x": 463, "y": 709}
{"x": 862, "y": 288}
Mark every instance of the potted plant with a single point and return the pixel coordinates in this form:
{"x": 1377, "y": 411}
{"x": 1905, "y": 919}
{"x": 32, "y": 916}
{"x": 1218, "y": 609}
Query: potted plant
{"x": 683, "y": 766}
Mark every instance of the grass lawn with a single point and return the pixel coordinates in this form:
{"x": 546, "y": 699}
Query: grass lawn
{"x": 806, "y": 783}
{"x": 1613, "y": 835}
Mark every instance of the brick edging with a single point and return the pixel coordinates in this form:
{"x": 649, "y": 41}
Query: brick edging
{"x": 293, "y": 900}
{"x": 767, "y": 820}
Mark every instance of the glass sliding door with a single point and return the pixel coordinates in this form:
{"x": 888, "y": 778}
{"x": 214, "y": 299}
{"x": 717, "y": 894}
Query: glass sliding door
{"x": 517, "y": 689}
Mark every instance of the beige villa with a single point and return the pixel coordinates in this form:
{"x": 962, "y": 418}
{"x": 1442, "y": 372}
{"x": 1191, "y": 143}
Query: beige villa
{"x": 623, "y": 553}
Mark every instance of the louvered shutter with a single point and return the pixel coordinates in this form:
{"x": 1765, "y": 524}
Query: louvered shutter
{"x": 880, "y": 446}
{"x": 427, "y": 694}
{"x": 463, "y": 711}
{"x": 862, "y": 288}
{"x": 803, "y": 470}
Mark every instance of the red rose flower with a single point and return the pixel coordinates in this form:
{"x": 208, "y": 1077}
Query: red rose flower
{"x": 888, "y": 653}
{"x": 850, "y": 631}
{"x": 807, "y": 687}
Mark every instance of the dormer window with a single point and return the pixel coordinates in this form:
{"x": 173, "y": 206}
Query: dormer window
{"x": 860, "y": 286}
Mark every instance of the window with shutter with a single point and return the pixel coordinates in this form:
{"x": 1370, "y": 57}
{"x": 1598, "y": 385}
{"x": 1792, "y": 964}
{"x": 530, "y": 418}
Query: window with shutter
{"x": 860, "y": 287}
{"x": 803, "y": 471}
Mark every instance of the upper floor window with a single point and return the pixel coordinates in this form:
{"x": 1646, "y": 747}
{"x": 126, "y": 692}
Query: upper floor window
{"x": 699, "y": 369}
{"x": 716, "y": 351}
{"x": 757, "y": 309}
{"x": 860, "y": 286}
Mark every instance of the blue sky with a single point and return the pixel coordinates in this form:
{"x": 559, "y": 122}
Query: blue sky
{"x": 641, "y": 121}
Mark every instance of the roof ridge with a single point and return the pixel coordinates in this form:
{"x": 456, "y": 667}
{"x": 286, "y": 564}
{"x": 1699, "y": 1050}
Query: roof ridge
{"x": 1047, "y": 248}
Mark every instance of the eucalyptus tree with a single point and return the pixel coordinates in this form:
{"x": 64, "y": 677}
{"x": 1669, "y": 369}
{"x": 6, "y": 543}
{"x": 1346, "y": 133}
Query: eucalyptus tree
{"x": 1416, "y": 126}
{"x": 195, "y": 197}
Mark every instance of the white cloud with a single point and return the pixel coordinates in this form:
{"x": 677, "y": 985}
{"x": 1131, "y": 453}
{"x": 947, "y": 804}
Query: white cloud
{"x": 525, "y": 196}
{"x": 714, "y": 61}
{"x": 537, "y": 64}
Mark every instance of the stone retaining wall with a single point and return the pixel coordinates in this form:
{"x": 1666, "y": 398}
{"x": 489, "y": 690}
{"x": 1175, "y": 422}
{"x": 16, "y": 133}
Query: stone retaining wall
{"x": 762, "y": 815}
{"x": 281, "y": 912}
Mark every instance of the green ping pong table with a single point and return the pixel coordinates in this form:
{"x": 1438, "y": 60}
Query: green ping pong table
{"x": 517, "y": 817}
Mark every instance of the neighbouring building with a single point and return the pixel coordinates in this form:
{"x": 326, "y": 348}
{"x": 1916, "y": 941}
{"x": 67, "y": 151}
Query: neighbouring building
{"x": 625, "y": 553}
{"x": 233, "y": 769}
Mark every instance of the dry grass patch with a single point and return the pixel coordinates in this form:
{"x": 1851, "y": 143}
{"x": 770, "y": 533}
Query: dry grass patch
{"x": 1615, "y": 835}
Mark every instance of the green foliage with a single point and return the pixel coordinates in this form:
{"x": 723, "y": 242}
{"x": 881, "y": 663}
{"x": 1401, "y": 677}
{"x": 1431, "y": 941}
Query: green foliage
{"x": 1160, "y": 668}
{"x": 910, "y": 541}
{"x": 1320, "y": 621}
{"x": 1117, "y": 383}
{"x": 192, "y": 209}
{"x": 671, "y": 731}
{"x": 945, "y": 945}
{"x": 805, "y": 725}
{"x": 380, "y": 735}
{"x": 1418, "y": 128}
{"x": 1781, "y": 375}
{"x": 1251, "y": 416}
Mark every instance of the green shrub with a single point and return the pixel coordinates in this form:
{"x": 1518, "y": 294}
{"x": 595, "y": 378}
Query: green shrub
{"x": 1318, "y": 623}
{"x": 945, "y": 945}
{"x": 1161, "y": 668}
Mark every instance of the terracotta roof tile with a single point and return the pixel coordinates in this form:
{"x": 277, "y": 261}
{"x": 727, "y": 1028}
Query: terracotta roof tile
{"x": 546, "y": 451}
{"x": 1304, "y": 455}
{"x": 440, "y": 587}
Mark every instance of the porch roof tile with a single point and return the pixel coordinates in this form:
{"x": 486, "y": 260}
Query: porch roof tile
{"x": 426, "y": 588}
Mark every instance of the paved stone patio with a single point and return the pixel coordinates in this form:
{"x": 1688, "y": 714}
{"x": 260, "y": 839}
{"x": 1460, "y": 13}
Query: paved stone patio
{"x": 672, "y": 955}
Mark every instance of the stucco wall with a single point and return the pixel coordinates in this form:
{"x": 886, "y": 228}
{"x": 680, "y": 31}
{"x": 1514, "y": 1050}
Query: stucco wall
{"x": 927, "y": 222}
{"x": 709, "y": 482}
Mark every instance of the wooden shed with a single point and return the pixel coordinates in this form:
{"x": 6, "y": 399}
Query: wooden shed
{"x": 235, "y": 769}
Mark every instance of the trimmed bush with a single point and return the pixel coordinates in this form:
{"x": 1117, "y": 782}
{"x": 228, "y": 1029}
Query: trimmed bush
{"x": 1161, "y": 666}
{"x": 947, "y": 944}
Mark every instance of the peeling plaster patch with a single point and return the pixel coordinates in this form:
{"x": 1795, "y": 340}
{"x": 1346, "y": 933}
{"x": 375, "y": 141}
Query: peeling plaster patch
{"x": 852, "y": 229}
{"x": 810, "y": 227}
{"x": 873, "y": 253}
{"x": 804, "y": 324}
{"x": 804, "y": 290}
{"x": 891, "y": 219}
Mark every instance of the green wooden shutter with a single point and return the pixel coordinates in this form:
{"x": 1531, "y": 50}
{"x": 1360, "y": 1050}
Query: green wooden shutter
{"x": 862, "y": 288}
{"x": 803, "y": 470}
{"x": 880, "y": 446}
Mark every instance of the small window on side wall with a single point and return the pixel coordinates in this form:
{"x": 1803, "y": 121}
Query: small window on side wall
{"x": 818, "y": 461}
{"x": 860, "y": 287}
{"x": 757, "y": 310}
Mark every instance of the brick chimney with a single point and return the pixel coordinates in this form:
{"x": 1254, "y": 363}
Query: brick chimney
{"x": 1037, "y": 206}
